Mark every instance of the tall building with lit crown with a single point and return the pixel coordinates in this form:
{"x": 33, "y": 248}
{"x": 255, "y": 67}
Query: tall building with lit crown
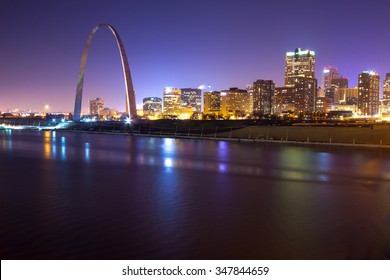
{"x": 386, "y": 90}
{"x": 299, "y": 63}
{"x": 171, "y": 101}
{"x": 152, "y": 106}
{"x": 368, "y": 93}
{"x": 96, "y": 106}
{"x": 235, "y": 103}
{"x": 212, "y": 102}
{"x": 191, "y": 98}
{"x": 263, "y": 95}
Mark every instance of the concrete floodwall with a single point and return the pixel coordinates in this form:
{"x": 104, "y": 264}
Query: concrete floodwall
{"x": 376, "y": 134}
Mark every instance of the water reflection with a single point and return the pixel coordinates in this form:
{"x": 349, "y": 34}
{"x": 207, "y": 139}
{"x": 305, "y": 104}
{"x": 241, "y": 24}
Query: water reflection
{"x": 87, "y": 152}
{"x": 63, "y": 148}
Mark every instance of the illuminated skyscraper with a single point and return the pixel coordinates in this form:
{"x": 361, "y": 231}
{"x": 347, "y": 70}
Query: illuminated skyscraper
{"x": 300, "y": 75}
{"x": 386, "y": 90}
{"x": 299, "y": 63}
{"x": 172, "y": 101}
{"x": 95, "y": 106}
{"x": 263, "y": 95}
{"x": 152, "y": 106}
{"x": 368, "y": 93}
{"x": 191, "y": 98}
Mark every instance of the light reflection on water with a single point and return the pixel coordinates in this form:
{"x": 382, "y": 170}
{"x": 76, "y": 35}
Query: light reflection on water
{"x": 286, "y": 163}
{"x": 164, "y": 198}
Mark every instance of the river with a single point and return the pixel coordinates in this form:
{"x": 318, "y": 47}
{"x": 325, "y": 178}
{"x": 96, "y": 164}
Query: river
{"x": 67, "y": 195}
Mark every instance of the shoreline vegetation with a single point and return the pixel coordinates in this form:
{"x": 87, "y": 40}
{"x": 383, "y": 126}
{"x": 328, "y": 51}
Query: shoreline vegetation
{"x": 369, "y": 135}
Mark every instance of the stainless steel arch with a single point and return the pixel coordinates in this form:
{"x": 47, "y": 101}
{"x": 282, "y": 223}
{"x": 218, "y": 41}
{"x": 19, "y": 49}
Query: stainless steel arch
{"x": 130, "y": 94}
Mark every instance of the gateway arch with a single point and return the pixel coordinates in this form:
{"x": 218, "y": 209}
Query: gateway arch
{"x": 130, "y": 94}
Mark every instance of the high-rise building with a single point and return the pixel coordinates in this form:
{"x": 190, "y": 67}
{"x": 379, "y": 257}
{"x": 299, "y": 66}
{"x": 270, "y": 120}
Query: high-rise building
{"x": 283, "y": 100}
{"x": 337, "y": 85}
{"x": 263, "y": 95}
{"x": 172, "y": 101}
{"x": 235, "y": 103}
{"x": 152, "y": 106}
{"x": 368, "y": 93}
{"x": 299, "y": 63}
{"x": 386, "y": 90}
{"x": 212, "y": 102}
{"x": 328, "y": 75}
{"x": 95, "y": 106}
{"x": 191, "y": 98}
{"x": 305, "y": 92}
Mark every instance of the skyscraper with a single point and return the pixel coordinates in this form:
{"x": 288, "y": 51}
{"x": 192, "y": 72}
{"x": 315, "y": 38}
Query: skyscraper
{"x": 368, "y": 93}
{"x": 172, "y": 101}
{"x": 191, "y": 98}
{"x": 263, "y": 95}
{"x": 386, "y": 90}
{"x": 328, "y": 75}
{"x": 299, "y": 63}
{"x": 305, "y": 92}
{"x": 300, "y": 75}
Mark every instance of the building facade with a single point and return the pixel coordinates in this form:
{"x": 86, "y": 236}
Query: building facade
{"x": 96, "y": 106}
{"x": 305, "y": 92}
{"x": 212, "y": 102}
{"x": 235, "y": 103}
{"x": 191, "y": 98}
{"x": 328, "y": 75}
{"x": 283, "y": 100}
{"x": 368, "y": 93}
{"x": 152, "y": 106}
{"x": 171, "y": 101}
{"x": 386, "y": 90}
{"x": 263, "y": 97}
{"x": 299, "y": 63}
{"x": 346, "y": 96}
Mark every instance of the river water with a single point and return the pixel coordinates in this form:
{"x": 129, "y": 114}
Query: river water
{"x": 70, "y": 195}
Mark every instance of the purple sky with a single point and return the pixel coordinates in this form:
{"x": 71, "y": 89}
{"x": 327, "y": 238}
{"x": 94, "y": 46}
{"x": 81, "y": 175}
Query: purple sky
{"x": 178, "y": 43}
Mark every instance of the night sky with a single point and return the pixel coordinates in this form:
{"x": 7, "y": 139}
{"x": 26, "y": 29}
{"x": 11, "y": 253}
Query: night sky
{"x": 178, "y": 43}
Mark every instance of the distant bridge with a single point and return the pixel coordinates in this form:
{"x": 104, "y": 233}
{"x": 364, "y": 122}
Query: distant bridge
{"x": 130, "y": 94}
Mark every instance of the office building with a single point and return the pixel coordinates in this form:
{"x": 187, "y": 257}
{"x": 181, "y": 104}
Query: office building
{"x": 152, "y": 106}
{"x": 283, "y": 100}
{"x": 171, "y": 101}
{"x": 386, "y": 90}
{"x": 328, "y": 75}
{"x": 299, "y": 63}
{"x": 346, "y": 96}
{"x": 212, "y": 102}
{"x": 305, "y": 92}
{"x": 263, "y": 95}
{"x": 191, "y": 98}
{"x": 235, "y": 103}
{"x": 368, "y": 93}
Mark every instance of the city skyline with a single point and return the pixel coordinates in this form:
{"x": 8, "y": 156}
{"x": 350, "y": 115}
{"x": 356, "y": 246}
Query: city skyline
{"x": 179, "y": 44}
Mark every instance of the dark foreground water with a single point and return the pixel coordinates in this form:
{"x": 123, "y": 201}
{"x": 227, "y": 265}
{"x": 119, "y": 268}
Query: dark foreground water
{"x": 81, "y": 196}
